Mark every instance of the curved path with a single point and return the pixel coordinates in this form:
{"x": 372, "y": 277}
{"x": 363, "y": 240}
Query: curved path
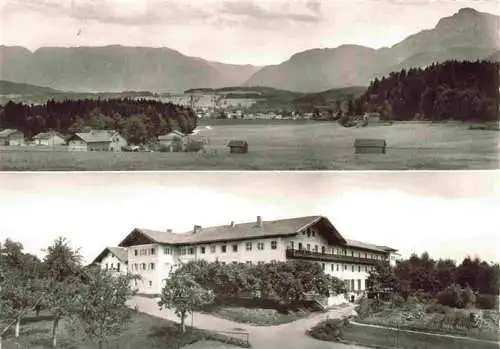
{"x": 290, "y": 335}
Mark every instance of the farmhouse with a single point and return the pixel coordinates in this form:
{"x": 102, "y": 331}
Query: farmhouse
{"x": 49, "y": 138}
{"x": 240, "y": 147}
{"x": 172, "y": 140}
{"x": 155, "y": 254}
{"x": 96, "y": 140}
{"x": 113, "y": 258}
{"x": 11, "y": 137}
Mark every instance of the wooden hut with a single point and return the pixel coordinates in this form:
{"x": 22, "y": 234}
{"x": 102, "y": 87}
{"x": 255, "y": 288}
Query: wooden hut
{"x": 370, "y": 146}
{"x": 240, "y": 147}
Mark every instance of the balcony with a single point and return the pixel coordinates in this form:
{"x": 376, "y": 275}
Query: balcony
{"x": 328, "y": 257}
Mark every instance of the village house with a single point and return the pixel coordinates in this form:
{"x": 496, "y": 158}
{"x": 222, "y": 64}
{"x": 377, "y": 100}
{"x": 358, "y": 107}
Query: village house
{"x": 155, "y": 254}
{"x": 114, "y": 259}
{"x": 174, "y": 141}
{"x": 11, "y": 136}
{"x": 51, "y": 138}
{"x": 97, "y": 140}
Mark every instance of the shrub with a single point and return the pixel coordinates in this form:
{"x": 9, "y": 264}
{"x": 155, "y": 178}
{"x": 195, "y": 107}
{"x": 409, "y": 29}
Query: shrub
{"x": 486, "y": 301}
{"x": 329, "y": 330}
{"x": 468, "y": 297}
{"x": 437, "y": 308}
{"x": 399, "y": 301}
{"x": 194, "y": 146}
{"x": 452, "y": 297}
{"x": 163, "y": 148}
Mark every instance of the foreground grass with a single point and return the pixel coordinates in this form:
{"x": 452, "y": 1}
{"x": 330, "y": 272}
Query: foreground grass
{"x": 258, "y": 316}
{"x": 291, "y": 146}
{"x": 388, "y": 338}
{"x": 144, "y": 331}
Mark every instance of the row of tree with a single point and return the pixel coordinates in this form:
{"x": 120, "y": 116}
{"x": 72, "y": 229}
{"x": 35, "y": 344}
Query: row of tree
{"x": 452, "y": 90}
{"x": 139, "y": 120}
{"x": 424, "y": 274}
{"x": 90, "y": 300}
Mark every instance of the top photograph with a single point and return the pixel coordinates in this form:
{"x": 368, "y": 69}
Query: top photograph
{"x": 249, "y": 85}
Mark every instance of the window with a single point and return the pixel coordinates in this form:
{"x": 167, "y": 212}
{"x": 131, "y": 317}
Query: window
{"x": 331, "y": 267}
{"x": 323, "y": 249}
{"x": 352, "y": 268}
{"x": 359, "y": 268}
{"x": 249, "y": 262}
{"x": 144, "y": 252}
{"x": 315, "y": 248}
{"x": 150, "y": 283}
{"x": 143, "y": 266}
{"x": 344, "y": 252}
{"x": 183, "y": 251}
{"x": 136, "y": 253}
{"x": 308, "y": 233}
{"x": 167, "y": 250}
{"x": 352, "y": 253}
{"x": 112, "y": 266}
{"x": 309, "y": 247}
{"x": 223, "y": 248}
{"x": 300, "y": 246}
{"x": 352, "y": 285}
{"x": 212, "y": 249}
{"x": 338, "y": 267}
{"x": 153, "y": 250}
{"x": 345, "y": 266}
{"x": 323, "y": 266}
{"x": 191, "y": 250}
{"x": 359, "y": 284}
{"x": 366, "y": 268}
{"x": 151, "y": 266}
{"x": 291, "y": 245}
{"x": 248, "y": 246}
{"x": 202, "y": 249}
{"x": 366, "y": 255}
{"x": 235, "y": 248}
{"x": 274, "y": 244}
{"x": 260, "y": 246}
{"x": 106, "y": 266}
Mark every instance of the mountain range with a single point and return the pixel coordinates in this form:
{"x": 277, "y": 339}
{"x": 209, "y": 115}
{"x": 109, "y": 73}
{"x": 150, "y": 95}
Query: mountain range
{"x": 466, "y": 35}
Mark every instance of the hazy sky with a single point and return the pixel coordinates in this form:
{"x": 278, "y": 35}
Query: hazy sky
{"x": 451, "y": 214}
{"x": 237, "y": 31}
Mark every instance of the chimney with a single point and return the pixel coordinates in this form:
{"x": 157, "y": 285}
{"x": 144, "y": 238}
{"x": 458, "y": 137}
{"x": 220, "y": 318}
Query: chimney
{"x": 196, "y": 229}
{"x": 232, "y": 224}
{"x": 259, "y": 221}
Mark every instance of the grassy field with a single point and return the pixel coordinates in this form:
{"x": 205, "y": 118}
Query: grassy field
{"x": 144, "y": 332}
{"x": 257, "y": 316}
{"x": 290, "y": 145}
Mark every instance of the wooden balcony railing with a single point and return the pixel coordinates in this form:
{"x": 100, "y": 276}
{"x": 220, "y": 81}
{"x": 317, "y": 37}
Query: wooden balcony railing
{"x": 304, "y": 254}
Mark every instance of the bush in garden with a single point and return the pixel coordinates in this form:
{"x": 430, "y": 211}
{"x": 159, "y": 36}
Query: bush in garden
{"x": 486, "y": 301}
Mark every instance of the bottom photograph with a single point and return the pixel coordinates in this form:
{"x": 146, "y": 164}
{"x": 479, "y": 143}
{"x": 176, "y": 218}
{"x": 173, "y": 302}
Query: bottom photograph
{"x": 249, "y": 260}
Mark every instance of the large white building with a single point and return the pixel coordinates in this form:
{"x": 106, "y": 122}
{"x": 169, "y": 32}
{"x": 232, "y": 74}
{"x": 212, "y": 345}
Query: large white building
{"x": 154, "y": 254}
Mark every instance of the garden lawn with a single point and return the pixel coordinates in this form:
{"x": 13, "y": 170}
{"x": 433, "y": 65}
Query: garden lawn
{"x": 258, "y": 316}
{"x": 144, "y": 331}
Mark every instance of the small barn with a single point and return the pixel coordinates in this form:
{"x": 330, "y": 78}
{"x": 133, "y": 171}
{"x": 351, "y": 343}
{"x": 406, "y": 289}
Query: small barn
{"x": 11, "y": 136}
{"x": 174, "y": 141}
{"x": 97, "y": 140}
{"x": 49, "y": 138}
{"x": 238, "y": 146}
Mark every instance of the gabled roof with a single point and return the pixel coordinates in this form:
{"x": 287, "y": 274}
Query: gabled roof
{"x": 237, "y": 143}
{"x": 119, "y": 252}
{"x": 281, "y": 227}
{"x": 367, "y": 246}
{"x": 7, "y": 132}
{"x": 46, "y": 135}
{"x": 171, "y": 135}
{"x": 95, "y": 136}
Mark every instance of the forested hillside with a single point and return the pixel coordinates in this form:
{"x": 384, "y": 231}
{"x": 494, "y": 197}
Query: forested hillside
{"x": 452, "y": 90}
{"x": 139, "y": 120}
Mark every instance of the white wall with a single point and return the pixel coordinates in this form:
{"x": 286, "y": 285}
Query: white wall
{"x": 110, "y": 262}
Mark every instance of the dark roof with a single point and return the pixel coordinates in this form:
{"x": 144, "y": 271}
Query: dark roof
{"x": 171, "y": 135}
{"x": 281, "y": 227}
{"x": 119, "y": 252}
{"x": 238, "y": 144}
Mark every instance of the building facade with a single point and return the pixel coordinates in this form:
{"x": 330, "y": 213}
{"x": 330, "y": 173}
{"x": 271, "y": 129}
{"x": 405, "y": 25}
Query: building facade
{"x": 11, "y": 137}
{"x": 114, "y": 259}
{"x": 155, "y": 254}
{"x": 49, "y": 139}
{"x": 97, "y": 140}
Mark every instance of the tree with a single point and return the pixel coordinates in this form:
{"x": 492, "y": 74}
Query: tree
{"x": 135, "y": 129}
{"x": 185, "y": 295}
{"x": 63, "y": 268}
{"x": 100, "y": 309}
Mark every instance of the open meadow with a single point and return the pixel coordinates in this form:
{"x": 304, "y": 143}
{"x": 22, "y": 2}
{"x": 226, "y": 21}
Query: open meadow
{"x": 289, "y": 145}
